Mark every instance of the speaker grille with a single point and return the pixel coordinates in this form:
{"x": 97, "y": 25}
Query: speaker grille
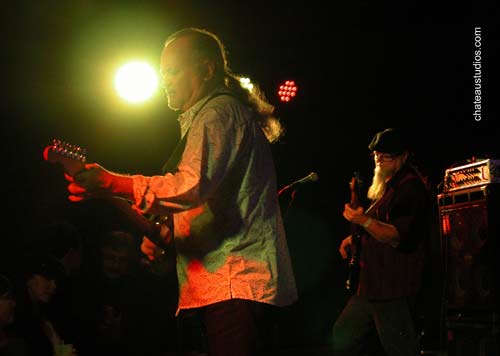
{"x": 469, "y": 248}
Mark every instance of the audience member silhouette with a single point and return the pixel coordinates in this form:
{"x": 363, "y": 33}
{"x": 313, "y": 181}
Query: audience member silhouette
{"x": 64, "y": 241}
{"x": 10, "y": 344}
{"x": 122, "y": 307}
{"x": 37, "y": 281}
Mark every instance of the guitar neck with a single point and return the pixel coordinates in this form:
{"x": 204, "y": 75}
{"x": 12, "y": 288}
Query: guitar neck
{"x": 140, "y": 222}
{"x": 72, "y": 158}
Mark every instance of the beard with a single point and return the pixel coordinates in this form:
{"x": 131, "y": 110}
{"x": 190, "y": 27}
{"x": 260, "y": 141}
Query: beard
{"x": 379, "y": 183}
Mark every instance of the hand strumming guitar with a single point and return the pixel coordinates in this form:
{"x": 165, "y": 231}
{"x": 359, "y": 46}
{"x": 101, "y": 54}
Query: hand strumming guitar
{"x": 149, "y": 249}
{"x": 345, "y": 247}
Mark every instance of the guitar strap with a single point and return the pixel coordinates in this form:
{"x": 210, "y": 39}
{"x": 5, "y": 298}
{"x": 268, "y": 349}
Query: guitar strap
{"x": 390, "y": 193}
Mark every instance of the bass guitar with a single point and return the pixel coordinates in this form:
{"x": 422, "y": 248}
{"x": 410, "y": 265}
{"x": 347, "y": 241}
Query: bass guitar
{"x": 355, "y": 250}
{"x": 158, "y": 230}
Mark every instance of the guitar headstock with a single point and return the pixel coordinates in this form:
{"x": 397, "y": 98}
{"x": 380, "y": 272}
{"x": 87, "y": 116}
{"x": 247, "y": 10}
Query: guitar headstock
{"x": 355, "y": 181}
{"x": 355, "y": 186}
{"x": 71, "y": 157}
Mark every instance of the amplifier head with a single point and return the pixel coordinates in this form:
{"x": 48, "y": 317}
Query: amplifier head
{"x": 474, "y": 174}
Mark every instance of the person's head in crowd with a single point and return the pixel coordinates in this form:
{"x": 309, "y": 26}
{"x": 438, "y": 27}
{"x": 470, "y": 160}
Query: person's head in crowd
{"x": 41, "y": 275}
{"x": 64, "y": 241}
{"x": 119, "y": 252}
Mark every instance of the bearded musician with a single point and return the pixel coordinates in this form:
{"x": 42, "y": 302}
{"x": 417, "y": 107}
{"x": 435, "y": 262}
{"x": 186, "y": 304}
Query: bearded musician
{"x": 393, "y": 249}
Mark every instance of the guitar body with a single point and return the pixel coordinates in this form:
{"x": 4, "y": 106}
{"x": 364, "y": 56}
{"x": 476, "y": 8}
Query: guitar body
{"x": 164, "y": 261}
{"x": 158, "y": 230}
{"x": 354, "y": 267}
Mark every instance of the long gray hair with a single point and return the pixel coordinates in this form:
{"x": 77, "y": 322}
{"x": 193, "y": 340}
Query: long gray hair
{"x": 207, "y": 46}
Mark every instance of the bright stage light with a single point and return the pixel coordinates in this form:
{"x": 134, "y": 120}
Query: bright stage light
{"x": 287, "y": 91}
{"x": 136, "y": 81}
{"x": 246, "y": 83}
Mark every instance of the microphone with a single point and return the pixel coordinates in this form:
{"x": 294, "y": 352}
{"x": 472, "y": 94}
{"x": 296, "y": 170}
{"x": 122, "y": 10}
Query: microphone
{"x": 311, "y": 177}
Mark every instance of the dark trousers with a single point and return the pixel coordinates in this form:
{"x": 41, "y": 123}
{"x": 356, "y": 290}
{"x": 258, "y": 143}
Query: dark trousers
{"x": 390, "y": 321}
{"x": 236, "y": 327}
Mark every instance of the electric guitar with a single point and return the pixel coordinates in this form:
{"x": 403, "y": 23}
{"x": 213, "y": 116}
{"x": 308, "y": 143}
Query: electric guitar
{"x": 355, "y": 250}
{"x": 158, "y": 230}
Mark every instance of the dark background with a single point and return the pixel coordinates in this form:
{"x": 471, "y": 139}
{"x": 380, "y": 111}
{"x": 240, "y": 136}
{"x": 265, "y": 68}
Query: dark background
{"x": 360, "y": 67}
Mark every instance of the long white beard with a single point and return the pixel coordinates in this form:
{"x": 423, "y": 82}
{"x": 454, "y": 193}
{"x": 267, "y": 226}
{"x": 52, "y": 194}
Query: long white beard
{"x": 379, "y": 183}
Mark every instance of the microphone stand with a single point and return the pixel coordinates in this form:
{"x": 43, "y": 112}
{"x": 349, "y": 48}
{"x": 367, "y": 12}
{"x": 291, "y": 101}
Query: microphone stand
{"x": 285, "y": 188}
{"x": 292, "y": 197}
{"x": 312, "y": 177}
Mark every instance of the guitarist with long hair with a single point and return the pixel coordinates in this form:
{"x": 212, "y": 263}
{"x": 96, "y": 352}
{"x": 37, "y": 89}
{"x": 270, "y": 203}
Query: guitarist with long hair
{"x": 232, "y": 258}
{"x": 394, "y": 238}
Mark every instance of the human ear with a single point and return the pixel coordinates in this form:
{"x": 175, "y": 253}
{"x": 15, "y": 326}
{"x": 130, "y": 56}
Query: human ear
{"x": 207, "y": 70}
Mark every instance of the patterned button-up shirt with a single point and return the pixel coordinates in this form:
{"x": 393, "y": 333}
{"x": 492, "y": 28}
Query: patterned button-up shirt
{"x": 228, "y": 228}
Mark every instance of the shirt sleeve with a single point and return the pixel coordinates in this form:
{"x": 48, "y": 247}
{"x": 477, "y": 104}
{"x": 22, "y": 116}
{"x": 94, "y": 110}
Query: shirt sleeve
{"x": 408, "y": 214}
{"x": 211, "y": 148}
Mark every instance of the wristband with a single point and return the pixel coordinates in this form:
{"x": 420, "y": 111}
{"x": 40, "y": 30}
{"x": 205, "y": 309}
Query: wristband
{"x": 367, "y": 222}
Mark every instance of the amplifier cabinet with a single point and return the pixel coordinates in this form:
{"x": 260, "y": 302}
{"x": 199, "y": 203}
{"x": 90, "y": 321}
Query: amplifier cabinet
{"x": 472, "y": 339}
{"x": 469, "y": 221}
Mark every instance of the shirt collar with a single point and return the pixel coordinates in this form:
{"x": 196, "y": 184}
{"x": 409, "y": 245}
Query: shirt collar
{"x": 186, "y": 118}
